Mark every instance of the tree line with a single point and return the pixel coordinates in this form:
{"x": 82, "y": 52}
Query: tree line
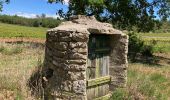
{"x": 40, "y": 21}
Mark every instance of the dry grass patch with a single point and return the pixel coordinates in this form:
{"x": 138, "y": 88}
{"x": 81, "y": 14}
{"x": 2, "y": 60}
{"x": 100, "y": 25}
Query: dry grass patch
{"x": 16, "y": 68}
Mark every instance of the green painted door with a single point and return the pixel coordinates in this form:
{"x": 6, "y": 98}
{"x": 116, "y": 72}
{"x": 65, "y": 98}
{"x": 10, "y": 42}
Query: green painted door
{"x": 98, "y": 66}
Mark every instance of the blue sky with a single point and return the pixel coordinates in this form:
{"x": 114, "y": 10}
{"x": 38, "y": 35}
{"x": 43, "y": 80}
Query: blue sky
{"x": 31, "y": 8}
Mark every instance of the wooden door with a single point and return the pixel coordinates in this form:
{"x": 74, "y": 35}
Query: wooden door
{"x": 98, "y": 66}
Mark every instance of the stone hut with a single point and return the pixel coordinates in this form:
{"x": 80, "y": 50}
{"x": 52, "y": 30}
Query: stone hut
{"x": 84, "y": 60}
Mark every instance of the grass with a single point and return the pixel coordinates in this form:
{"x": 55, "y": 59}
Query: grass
{"x": 145, "y": 82}
{"x": 160, "y": 46}
{"x": 150, "y": 81}
{"x": 16, "y": 68}
{"x": 10, "y": 51}
{"x": 160, "y": 41}
{"x": 155, "y": 35}
{"x": 9, "y": 31}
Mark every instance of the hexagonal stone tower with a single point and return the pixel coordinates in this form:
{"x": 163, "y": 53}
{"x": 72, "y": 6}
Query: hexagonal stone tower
{"x": 84, "y": 59}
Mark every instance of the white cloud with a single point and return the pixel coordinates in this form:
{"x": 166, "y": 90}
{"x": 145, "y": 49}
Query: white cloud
{"x": 66, "y": 2}
{"x": 27, "y": 15}
{"x": 53, "y": 16}
{"x": 31, "y": 15}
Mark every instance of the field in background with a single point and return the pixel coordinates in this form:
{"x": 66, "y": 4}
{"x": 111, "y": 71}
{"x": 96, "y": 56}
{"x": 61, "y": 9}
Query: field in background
{"x": 155, "y": 34}
{"x": 15, "y": 31}
{"x": 10, "y": 31}
{"x": 160, "y": 41}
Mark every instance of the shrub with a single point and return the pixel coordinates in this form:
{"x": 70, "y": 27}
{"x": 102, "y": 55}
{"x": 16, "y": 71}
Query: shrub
{"x": 147, "y": 50}
{"x": 137, "y": 47}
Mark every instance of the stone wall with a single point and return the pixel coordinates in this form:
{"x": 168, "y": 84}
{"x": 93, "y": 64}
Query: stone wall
{"x": 118, "y": 61}
{"x": 66, "y": 54}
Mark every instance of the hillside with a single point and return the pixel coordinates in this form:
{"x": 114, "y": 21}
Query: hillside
{"x": 9, "y": 30}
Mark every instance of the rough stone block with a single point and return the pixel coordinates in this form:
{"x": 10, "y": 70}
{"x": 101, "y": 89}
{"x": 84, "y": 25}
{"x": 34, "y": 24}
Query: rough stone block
{"x": 62, "y": 46}
{"x": 73, "y": 45}
{"x": 77, "y": 75}
{"x": 77, "y": 56}
{"x": 79, "y": 86}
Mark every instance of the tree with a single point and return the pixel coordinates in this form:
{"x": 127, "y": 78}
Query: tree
{"x": 1, "y": 3}
{"x": 123, "y": 14}
{"x": 43, "y": 15}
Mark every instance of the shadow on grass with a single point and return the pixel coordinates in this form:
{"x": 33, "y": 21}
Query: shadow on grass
{"x": 153, "y": 61}
{"x": 35, "y": 83}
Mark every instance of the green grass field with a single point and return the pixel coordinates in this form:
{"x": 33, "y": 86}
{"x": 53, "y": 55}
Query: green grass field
{"x": 160, "y": 41}
{"x": 145, "y": 82}
{"x": 155, "y": 34}
{"x": 9, "y": 31}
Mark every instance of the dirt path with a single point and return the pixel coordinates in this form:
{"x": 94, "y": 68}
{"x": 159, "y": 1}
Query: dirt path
{"x": 16, "y": 40}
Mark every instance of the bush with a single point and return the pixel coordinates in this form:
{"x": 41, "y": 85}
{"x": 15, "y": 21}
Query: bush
{"x": 36, "y": 23}
{"x": 137, "y": 47}
{"x": 147, "y": 50}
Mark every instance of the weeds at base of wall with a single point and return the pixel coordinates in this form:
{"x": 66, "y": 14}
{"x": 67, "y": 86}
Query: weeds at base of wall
{"x": 36, "y": 83}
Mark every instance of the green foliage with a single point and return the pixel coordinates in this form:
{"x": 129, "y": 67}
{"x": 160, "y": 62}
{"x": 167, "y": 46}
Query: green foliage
{"x": 1, "y": 3}
{"x": 49, "y": 22}
{"x": 96, "y": 2}
{"x": 135, "y": 43}
{"x": 147, "y": 50}
{"x": 137, "y": 47}
{"x": 33, "y": 22}
{"x": 8, "y": 30}
{"x": 123, "y": 14}
{"x": 36, "y": 23}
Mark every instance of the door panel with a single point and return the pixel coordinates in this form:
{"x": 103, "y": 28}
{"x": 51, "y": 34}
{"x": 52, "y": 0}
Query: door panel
{"x": 98, "y": 66}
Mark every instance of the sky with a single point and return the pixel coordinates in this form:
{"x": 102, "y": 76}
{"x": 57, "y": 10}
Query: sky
{"x": 31, "y": 8}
